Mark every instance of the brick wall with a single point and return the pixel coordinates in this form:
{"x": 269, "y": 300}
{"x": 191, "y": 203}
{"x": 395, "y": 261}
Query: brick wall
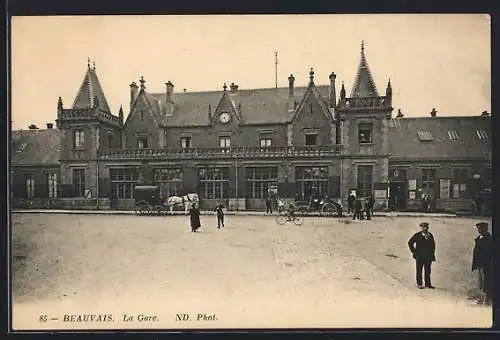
{"x": 142, "y": 125}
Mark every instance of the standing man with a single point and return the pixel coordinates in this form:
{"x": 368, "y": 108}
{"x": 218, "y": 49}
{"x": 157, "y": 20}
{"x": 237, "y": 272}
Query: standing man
{"x": 358, "y": 209}
{"x": 269, "y": 209}
{"x": 423, "y": 248}
{"x": 368, "y": 209}
{"x": 482, "y": 262}
{"x": 350, "y": 203}
{"x": 219, "y": 209}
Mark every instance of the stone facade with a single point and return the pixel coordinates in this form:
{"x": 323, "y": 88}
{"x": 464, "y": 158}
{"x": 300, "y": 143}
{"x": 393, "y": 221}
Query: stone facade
{"x": 233, "y": 145}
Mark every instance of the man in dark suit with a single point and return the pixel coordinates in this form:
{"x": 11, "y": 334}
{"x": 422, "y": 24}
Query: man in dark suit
{"x": 423, "y": 248}
{"x": 219, "y": 209}
{"x": 358, "y": 210}
{"x": 482, "y": 262}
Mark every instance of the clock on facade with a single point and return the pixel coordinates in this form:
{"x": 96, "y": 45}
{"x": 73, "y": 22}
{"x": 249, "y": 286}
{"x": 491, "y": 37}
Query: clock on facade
{"x": 224, "y": 117}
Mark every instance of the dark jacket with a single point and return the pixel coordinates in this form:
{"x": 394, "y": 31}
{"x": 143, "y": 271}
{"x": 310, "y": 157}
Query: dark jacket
{"x": 482, "y": 255}
{"x": 351, "y": 199}
{"x": 219, "y": 210}
{"x": 358, "y": 205}
{"x": 422, "y": 248}
{"x": 194, "y": 214}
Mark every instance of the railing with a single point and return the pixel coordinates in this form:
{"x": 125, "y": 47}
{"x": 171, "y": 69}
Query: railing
{"x": 366, "y": 102}
{"x": 69, "y": 114}
{"x": 213, "y": 153}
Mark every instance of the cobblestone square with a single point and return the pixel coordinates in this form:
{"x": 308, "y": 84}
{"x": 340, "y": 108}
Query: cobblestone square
{"x": 252, "y": 273}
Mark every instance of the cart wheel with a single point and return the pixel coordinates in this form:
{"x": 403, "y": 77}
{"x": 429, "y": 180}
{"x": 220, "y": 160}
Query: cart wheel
{"x": 280, "y": 219}
{"x": 159, "y": 209}
{"x": 328, "y": 209}
{"x": 298, "y": 221}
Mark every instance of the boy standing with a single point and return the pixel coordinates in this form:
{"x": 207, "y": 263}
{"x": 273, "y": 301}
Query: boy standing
{"x": 220, "y": 214}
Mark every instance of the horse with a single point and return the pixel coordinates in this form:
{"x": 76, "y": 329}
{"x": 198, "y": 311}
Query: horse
{"x": 186, "y": 201}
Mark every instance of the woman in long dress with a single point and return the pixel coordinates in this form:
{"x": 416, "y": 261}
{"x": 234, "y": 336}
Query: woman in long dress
{"x": 194, "y": 214}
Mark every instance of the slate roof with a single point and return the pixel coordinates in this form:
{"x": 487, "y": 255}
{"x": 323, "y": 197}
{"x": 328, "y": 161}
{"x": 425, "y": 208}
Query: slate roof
{"x": 364, "y": 86}
{"x": 90, "y": 90}
{"x": 35, "y": 147}
{"x": 405, "y": 143}
{"x": 258, "y": 106}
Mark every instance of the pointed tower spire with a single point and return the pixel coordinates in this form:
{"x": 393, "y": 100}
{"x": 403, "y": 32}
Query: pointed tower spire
{"x": 59, "y": 104}
{"x": 90, "y": 89}
{"x": 224, "y": 87}
{"x": 364, "y": 86}
{"x": 388, "y": 94}
{"x": 143, "y": 82}
{"x": 120, "y": 115}
{"x": 342, "y": 92}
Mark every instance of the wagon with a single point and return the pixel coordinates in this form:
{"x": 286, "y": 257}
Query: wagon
{"x": 148, "y": 200}
{"x": 325, "y": 207}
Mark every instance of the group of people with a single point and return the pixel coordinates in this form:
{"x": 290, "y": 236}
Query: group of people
{"x": 423, "y": 247}
{"x": 358, "y": 209}
{"x": 194, "y": 215}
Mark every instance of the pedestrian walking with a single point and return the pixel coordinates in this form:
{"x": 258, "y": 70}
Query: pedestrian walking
{"x": 350, "y": 203}
{"x": 194, "y": 216}
{"x": 368, "y": 209}
{"x": 269, "y": 209}
{"x": 358, "y": 209}
{"x": 219, "y": 209}
{"x": 371, "y": 201}
{"x": 423, "y": 248}
{"x": 424, "y": 202}
{"x": 482, "y": 262}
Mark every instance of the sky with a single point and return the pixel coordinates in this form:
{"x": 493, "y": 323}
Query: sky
{"x": 438, "y": 61}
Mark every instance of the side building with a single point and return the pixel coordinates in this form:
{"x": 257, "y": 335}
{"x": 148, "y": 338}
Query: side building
{"x": 235, "y": 144}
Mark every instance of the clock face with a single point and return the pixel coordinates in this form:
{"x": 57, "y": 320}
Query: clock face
{"x": 224, "y": 117}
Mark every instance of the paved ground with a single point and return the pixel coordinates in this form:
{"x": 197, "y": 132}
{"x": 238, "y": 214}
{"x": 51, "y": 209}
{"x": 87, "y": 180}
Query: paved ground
{"x": 253, "y": 273}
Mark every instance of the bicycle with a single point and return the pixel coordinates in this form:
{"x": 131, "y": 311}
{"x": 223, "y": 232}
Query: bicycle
{"x": 282, "y": 219}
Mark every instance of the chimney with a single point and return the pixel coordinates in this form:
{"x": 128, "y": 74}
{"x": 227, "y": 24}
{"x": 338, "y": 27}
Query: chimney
{"x": 433, "y": 113}
{"x": 134, "y": 89}
{"x": 333, "y": 95}
{"x": 291, "y": 94}
{"x": 33, "y": 127}
{"x": 50, "y": 126}
{"x": 234, "y": 88}
{"x": 170, "y": 91}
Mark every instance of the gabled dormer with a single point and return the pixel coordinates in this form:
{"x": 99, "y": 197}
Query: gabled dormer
{"x": 143, "y": 127}
{"x": 227, "y": 113}
{"x": 312, "y": 122}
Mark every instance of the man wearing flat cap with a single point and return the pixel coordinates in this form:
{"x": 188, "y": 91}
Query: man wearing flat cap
{"x": 482, "y": 262}
{"x": 423, "y": 248}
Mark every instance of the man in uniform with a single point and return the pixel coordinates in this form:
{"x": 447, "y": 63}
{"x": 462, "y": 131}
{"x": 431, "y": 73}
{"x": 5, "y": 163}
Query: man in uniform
{"x": 423, "y": 248}
{"x": 482, "y": 262}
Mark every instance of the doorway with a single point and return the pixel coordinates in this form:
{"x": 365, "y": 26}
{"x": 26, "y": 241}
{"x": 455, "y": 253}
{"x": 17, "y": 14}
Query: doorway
{"x": 397, "y": 195}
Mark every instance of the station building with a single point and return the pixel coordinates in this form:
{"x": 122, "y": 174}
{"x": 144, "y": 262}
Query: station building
{"x": 236, "y": 144}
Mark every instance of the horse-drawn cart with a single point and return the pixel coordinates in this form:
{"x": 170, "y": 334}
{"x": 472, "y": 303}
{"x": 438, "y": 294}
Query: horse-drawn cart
{"x": 148, "y": 200}
{"x": 325, "y": 207}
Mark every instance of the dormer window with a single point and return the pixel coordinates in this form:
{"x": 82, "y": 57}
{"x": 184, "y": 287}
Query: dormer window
{"x": 425, "y": 136}
{"x": 365, "y": 135}
{"x": 453, "y": 135}
{"x": 142, "y": 143}
{"x": 185, "y": 142}
{"x": 482, "y": 134}
{"x": 311, "y": 139}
